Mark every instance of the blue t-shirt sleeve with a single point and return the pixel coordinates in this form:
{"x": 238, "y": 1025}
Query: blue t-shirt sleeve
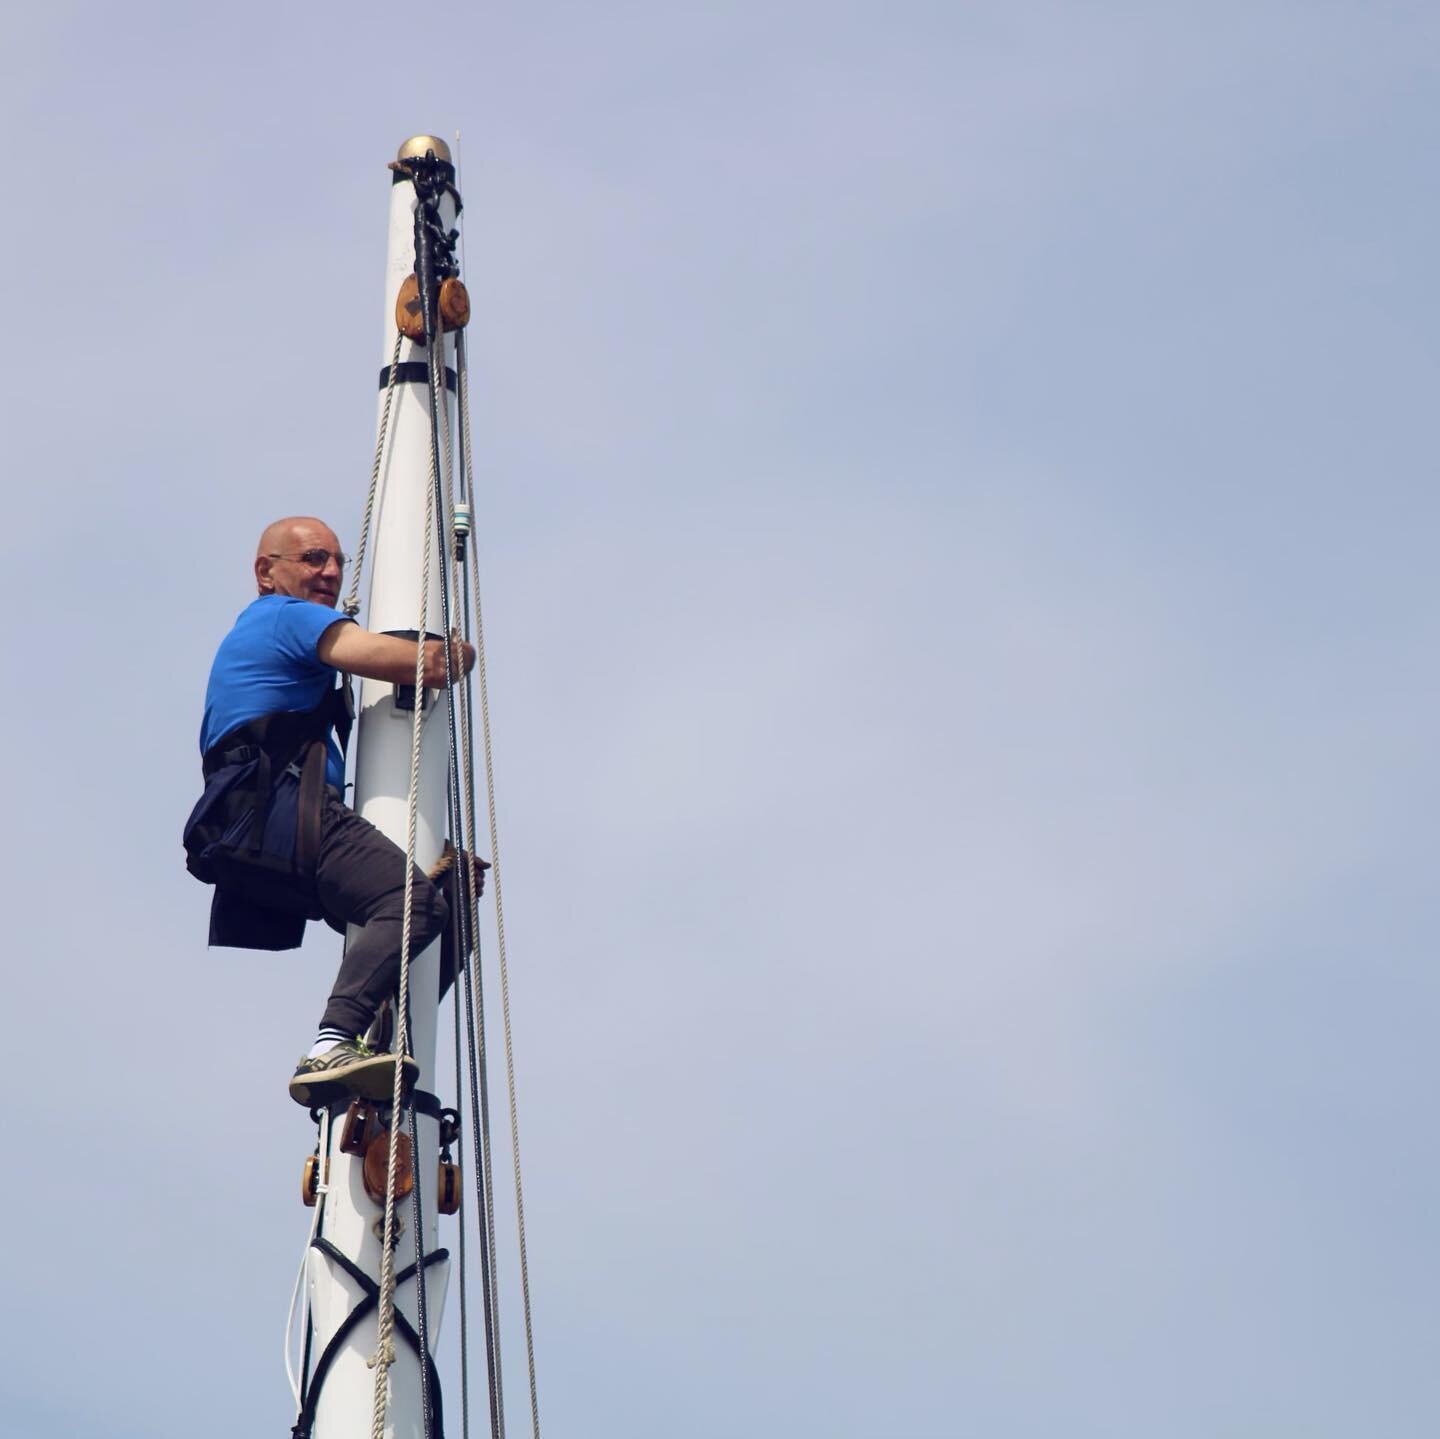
{"x": 298, "y": 628}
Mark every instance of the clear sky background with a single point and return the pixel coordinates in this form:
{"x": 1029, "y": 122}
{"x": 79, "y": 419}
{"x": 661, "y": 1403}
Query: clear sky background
{"x": 958, "y": 514}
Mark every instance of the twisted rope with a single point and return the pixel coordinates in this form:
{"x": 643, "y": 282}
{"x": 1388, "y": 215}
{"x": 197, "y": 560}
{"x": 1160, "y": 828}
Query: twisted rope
{"x": 352, "y": 600}
{"x": 384, "y": 1355}
{"x": 300, "y": 1296}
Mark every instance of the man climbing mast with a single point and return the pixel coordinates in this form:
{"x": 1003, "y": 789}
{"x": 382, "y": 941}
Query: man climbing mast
{"x": 272, "y": 831}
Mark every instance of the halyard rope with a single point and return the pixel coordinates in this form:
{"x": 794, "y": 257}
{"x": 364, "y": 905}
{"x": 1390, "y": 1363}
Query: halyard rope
{"x": 384, "y": 1355}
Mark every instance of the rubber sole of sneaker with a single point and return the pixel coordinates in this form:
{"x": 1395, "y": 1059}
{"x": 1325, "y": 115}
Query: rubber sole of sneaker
{"x": 366, "y": 1079}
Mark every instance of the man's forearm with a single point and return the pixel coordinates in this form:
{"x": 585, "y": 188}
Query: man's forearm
{"x": 389, "y": 658}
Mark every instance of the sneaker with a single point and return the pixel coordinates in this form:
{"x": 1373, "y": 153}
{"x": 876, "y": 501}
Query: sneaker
{"x": 351, "y": 1067}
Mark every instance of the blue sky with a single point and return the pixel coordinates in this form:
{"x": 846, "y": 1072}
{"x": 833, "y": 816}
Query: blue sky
{"x": 957, "y": 502}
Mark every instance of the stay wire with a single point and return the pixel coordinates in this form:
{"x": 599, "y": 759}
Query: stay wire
{"x": 462, "y": 367}
{"x": 480, "y": 669}
{"x": 479, "y": 1069}
{"x": 478, "y": 1030}
{"x": 479, "y": 1041}
{"x": 461, "y": 959}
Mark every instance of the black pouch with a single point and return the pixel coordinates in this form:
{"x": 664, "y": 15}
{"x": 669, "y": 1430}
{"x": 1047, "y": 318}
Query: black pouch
{"x": 223, "y": 816}
{"x": 255, "y": 831}
{"x": 260, "y": 845}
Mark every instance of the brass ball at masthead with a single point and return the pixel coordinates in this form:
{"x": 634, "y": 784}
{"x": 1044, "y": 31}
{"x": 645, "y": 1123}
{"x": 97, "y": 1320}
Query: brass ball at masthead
{"x": 417, "y": 145}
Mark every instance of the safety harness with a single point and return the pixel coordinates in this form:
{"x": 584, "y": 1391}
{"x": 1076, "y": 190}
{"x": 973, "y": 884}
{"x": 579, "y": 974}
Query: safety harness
{"x": 255, "y": 832}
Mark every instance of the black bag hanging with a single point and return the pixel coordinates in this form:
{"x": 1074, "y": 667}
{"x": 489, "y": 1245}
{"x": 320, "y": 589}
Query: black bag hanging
{"x": 255, "y": 831}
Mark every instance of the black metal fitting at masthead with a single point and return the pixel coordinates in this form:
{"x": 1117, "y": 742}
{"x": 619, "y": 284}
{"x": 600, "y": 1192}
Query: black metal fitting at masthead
{"x": 433, "y": 179}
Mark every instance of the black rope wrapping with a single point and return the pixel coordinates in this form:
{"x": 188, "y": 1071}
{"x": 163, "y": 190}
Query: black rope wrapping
{"x": 368, "y": 1303}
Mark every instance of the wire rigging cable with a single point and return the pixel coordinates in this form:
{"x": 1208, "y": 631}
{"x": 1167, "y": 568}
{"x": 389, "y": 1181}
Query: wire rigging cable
{"x": 467, "y": 452}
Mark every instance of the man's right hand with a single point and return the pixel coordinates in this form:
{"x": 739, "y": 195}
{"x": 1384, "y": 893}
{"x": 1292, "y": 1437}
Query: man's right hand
{"x": 462, "y": 661}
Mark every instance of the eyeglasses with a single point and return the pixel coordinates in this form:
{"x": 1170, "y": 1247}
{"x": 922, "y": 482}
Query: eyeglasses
{"x": 316, "y": 559}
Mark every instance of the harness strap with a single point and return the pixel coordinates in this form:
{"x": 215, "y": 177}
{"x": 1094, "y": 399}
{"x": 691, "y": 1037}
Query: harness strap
{"x": 275, "y": 743}
{"x": 217, "y": 759}
{"x": 311, "y": 807}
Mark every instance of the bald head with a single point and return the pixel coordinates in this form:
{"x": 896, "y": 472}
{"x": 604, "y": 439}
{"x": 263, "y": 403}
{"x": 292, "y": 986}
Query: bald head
{"x": 281, "y": 570}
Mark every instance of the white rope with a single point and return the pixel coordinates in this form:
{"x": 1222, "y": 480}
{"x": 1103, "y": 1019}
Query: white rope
{"x": 384, "y": 1355}
{"x": 352, "y": 600}
{"x": 300, "y": 1295}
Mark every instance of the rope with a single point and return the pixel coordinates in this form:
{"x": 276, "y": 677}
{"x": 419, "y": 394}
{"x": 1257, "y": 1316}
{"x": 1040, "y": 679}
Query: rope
{"x": 438, "y": 421}
{"x": 352, "y": 600}
{"x": 300, "y": 1295}
{"x": 462, "y": 365}
{"x": 384, "y": 1355}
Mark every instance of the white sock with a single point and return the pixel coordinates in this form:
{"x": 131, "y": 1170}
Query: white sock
{"x": 325, "y": 1041}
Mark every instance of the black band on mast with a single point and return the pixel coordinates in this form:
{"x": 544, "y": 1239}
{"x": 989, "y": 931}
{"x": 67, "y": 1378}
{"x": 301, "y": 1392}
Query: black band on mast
{"x": 415, "y": 372}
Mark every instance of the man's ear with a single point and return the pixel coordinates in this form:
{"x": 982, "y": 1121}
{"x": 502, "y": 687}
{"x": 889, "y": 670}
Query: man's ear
{"x": 263, "y": 582}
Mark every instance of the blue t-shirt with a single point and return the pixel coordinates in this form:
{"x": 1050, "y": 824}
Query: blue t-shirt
{"x": 268, "y": 664}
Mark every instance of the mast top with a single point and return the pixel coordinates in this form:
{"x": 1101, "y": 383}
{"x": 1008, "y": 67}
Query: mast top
{"x": 417, "y": 145}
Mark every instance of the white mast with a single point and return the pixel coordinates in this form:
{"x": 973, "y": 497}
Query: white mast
{"x": 341, "y": 1387}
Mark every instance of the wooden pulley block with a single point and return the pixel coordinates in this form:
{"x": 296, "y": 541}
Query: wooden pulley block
{"x": 447, "y": 1188}
{"x": 377, "y": 1161}
{"x": 361, "y": 1125}
{"x": 454, "y": 304}
{"x": 310, "y": 1181}
{"x": 409, "y": 319}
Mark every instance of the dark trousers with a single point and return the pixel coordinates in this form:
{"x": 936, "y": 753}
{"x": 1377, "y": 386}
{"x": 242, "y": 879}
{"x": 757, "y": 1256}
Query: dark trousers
{"x": 360, "y": 879}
